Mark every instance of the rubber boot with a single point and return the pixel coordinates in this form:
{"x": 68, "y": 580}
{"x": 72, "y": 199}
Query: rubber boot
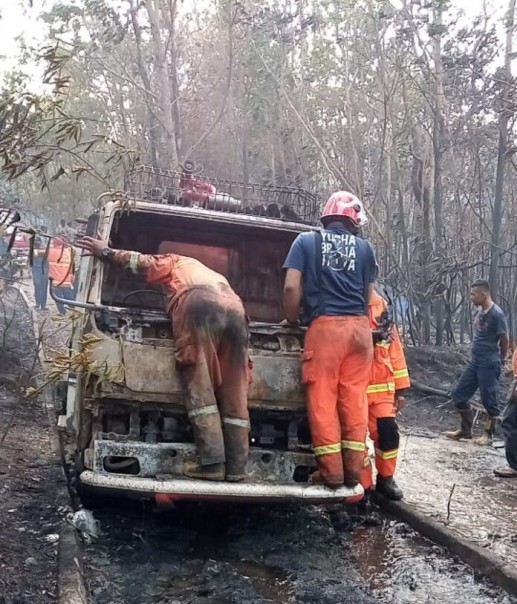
{"x": 353, "y": 463}
{"x": 213, "y": 471}
{"x": 236, "y": 445}
{"x": 487, "y": 437}
{"x": 387, "y": 486}
{"x": 465, "y": 429}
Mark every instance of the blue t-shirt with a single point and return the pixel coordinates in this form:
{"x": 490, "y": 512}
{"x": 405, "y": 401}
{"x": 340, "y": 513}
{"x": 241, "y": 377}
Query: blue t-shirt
{"x": 488, "y": 328}
{"x": 348, "y": 267}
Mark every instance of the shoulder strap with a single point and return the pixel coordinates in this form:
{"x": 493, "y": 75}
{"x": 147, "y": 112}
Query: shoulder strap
{"x": 318, "y": 259}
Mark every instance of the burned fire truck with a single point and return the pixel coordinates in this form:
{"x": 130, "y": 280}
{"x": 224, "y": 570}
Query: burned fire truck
{"x": 126, "y": 416}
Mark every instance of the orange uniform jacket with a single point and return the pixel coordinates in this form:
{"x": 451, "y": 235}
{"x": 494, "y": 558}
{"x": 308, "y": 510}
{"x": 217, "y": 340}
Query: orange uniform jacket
{"x": 514, "y": 363}
{"x": 389, "y": 369}
{"x": 175, "y": 273}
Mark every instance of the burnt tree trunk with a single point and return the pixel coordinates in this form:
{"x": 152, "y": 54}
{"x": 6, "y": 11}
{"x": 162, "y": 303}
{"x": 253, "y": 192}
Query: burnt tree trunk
{"x": 497, "y": 214}
{"x": 438, "y": 145}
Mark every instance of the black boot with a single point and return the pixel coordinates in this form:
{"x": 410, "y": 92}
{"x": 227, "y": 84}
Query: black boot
{"x": 465, "y": 429}
{"x": 236, "y": 444}
{"x": 389, "y": 488}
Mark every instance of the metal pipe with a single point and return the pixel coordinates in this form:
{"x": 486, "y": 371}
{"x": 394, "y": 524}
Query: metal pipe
{"x": 94, "y": 307}
{"x": 73, "y": 303}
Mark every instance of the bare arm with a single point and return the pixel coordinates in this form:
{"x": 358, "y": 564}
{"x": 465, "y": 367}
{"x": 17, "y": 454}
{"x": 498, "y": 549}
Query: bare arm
{"x": 292, "y": 294}
{"x": 504, "y": 345}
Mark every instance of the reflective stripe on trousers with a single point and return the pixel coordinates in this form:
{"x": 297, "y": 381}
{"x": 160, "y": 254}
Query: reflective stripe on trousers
{"x": 353, "y": 445}
{"x": 327, "y": 449}
{"x": 235, "y": 421}
{"x": 387, "y": 454}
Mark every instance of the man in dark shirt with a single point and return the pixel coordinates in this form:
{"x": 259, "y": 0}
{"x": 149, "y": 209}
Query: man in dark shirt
{"x": 333, "y": 272}
{"x": 489, "y": 350}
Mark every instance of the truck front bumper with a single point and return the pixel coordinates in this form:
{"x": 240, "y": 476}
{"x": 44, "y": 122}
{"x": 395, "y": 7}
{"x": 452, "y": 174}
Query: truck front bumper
{"x": 177, "y": 489}
{"x": 157, "y": 471}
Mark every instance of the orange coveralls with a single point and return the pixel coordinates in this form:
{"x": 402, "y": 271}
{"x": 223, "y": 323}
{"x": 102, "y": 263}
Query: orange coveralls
{"x": 388, "y": 374}
{"x": 211, "y": 336}
{"x": 336, "y": 368}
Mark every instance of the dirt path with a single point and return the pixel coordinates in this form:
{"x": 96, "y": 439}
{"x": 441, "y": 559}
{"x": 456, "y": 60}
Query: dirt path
{"x": 482, "y": 508}
{"x": 30, "y": 474}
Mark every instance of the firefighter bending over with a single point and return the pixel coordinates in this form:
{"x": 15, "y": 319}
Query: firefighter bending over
{"x": 389, "y": 378}
{"x": 211, "y": 336}
{"x": 337, "y": 269}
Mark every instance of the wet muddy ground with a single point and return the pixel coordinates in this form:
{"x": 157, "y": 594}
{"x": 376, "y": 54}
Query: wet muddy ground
{"x": 454, "y": 484}
{"x": 206, "y": 554}
{"x": 481, "y": 508}
{"x": 30, "y": 474}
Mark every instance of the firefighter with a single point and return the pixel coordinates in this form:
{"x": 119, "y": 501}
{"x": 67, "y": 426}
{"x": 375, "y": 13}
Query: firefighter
{"x": 337, "y": 269}
{"x": 61, "y": 272}
{"x": 388, "y": 381}
{"x": 211, "y": 336}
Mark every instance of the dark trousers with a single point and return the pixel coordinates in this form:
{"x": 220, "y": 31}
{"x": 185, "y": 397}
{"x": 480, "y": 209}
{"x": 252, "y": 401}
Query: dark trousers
{"x": 66, "y": 293}
{"x": 40, "y": 281}
{"x": 484, "y": 376}
{"x": 509, "y": 426}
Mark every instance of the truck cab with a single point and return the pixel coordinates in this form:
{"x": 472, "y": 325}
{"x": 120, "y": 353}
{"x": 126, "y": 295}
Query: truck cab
{"x": 126, "y": 413}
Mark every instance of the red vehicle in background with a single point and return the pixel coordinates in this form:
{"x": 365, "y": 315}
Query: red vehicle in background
{"x": 20, "y": 250}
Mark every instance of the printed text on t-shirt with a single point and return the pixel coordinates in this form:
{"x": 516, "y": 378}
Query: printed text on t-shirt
{"x": 338, "y": 251}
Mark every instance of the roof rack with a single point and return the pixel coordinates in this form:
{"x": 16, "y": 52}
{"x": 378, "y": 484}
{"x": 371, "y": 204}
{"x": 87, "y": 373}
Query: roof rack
{"x": 188, "y": 189}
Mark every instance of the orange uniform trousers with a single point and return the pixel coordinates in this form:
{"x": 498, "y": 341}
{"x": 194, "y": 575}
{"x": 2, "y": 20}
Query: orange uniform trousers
{"x": 211, "y": 333}
{"x": 336, "y": 369}
{"x": 389, "y": 374}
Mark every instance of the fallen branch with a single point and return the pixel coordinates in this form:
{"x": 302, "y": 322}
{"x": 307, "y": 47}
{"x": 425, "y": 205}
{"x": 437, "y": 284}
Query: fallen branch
{"x": 449, "y": 502}
{"x": 430, "y": 389}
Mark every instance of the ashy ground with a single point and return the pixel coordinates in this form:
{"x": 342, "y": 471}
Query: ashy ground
{"x": 30, "y": 474}
{"x": 453, "y": 482}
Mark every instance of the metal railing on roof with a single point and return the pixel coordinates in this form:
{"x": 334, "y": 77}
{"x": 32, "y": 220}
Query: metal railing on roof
{"x": 187, "y": 189}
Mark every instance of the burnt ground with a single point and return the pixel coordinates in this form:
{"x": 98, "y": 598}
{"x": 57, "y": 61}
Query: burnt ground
{"x": 29, "y": 472}
{"x": 226, "y": 554}
{"x": 439, "y": 368}
{"x": 449, "y": 481}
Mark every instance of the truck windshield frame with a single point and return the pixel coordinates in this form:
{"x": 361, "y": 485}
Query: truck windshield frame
{"x": 250, "y": 253}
